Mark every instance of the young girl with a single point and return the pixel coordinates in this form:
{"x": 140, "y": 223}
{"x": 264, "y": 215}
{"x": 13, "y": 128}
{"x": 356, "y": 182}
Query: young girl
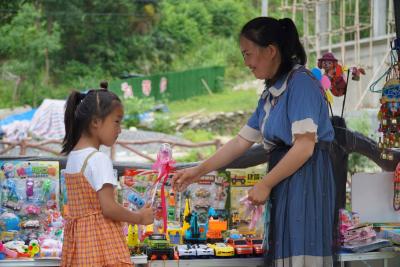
{"x": 93, "y": 233}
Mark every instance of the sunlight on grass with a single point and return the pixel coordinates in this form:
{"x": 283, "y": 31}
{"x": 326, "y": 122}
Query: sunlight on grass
{"x": 226, "y": 101}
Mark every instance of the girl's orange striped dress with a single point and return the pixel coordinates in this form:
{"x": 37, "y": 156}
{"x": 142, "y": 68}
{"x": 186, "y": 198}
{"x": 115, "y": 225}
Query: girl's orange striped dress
{"x": 90, "y": 239}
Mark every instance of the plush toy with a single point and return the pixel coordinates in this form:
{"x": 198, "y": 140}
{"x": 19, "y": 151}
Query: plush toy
{"x": 334, "y": 72}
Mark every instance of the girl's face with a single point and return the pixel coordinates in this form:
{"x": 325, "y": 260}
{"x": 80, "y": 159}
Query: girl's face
{"x": 108, "y": 129}
{"x": 262, "y": 61}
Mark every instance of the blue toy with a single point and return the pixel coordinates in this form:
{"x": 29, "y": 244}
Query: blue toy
{"x": 136, "y": 199}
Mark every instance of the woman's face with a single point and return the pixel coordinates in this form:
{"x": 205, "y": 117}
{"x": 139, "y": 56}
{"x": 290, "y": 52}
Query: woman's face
{"x": 262, "y": 61}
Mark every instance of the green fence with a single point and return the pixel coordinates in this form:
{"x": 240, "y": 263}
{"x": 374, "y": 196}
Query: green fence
{"x": 173, "y": 85}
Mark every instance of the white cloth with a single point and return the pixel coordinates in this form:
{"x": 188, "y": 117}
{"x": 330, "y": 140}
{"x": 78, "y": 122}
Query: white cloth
{"x": 99, "y": 168}
{"x": 48, "y": 121}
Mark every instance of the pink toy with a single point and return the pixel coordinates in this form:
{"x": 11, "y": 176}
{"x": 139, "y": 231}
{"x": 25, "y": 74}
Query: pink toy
{"x": 252, "y": 211}
{"x": 163, "y": 165}
{"x": 325, "y": 82}
{"x": 32, "y": 209}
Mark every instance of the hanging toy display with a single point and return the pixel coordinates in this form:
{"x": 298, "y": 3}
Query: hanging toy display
{"x": 396, "y": 192}
{"x": 334, "y": 72}
{"x": 389, "y": 112}
{"x": 389, "y": 118}
{"x": 335, "y": 78}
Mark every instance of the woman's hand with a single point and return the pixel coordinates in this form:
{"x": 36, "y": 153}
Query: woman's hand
{"x": 259, "y": 194}
{"x": 185, "y": 177}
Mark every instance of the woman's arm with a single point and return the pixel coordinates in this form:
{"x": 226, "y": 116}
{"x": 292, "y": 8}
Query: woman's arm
{"x": 228, "y": 152}
{"x": 114, "y": 211}
{"x": 300, "y": 152}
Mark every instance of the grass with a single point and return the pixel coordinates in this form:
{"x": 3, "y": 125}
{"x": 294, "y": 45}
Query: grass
{"x": 226, "y": 101}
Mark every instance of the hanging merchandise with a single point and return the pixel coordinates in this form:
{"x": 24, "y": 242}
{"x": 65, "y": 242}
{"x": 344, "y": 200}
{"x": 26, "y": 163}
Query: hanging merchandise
{"x": 334, "y": 77}
{"x": 389, "y": 112}
{"x": 396, "y": 189}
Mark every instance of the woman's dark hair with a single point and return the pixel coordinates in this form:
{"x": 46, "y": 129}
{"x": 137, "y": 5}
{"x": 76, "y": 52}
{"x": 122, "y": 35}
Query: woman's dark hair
{"x": 82, "y": 108}
{"x": 265, "y": 31}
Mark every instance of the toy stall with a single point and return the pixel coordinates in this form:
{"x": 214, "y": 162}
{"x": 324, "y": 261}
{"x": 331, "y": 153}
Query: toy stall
{"x": 209, "y": 224}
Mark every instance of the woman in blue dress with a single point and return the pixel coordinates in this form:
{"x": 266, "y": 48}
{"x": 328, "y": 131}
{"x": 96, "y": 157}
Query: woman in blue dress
{"x": 292, "y": 121}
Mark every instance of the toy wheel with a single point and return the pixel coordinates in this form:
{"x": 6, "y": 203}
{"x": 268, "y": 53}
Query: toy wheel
{"x": 171, "y": 255}
{"x": 164, "y": 257}
{"x": 149, "y": 253}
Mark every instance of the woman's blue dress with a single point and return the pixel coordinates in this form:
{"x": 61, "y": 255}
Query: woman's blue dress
{"x": 302, "y": 210}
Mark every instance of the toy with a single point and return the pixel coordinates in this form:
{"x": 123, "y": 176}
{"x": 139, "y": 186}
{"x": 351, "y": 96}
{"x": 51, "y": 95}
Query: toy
{"x": 29, "y": 188}
{"x": 7, "y": 252}
{"x": 175, "y": 235}
{"x": 50, "y": 248}
{"x": 30, "y": 224}
{"x": 158, "y": 245}
{"x": 32, "y": 209}
{"x": 222, "y": 250}
{"x": 195, "y": 233}
{"x": 136, "y": 199}
{"x": 203, "y": 251}
{"x": 132, "y": 238}
{"x": 16, "y": 206}
{"x": 10, "y": 221}
{"x": 334, "y": 72}
{"x": 255, "y": 212}
{"x": 240, "y": 246}
{"x": 33, "y": 248}
{"x": 214, "y": 230}
{"x": 256, "y": 244}
{"x": 163, "y": 165}
{"x": 19, "y": 247}
{"x": 8, "y": 169}
{"x": 185, "y": 251}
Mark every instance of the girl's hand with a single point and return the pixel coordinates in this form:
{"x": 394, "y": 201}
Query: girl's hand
{"x": 259, "y": 194}
{"x": 185, "y": 177}
{"x": 146, "y": 215}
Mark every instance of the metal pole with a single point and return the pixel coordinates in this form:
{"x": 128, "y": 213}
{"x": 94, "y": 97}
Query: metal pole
{"x": 397, "y": 25}
{"x": 264, "y": 8}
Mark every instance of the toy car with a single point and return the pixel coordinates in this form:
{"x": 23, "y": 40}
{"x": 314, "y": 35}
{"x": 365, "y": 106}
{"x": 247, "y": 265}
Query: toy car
{"x": 222, "y": 250}
{"x": 185, "y": 251}
{"x": 203, "y": 250}
{"x": 257, "y": 244}
{"x": 241, "y": 246}
{"x": 12, "y": 205}
{"x": 158, "y": 245}
{"x": 136, "y": 199}
{"x": 31, "y": 224}
{"x": 202, "y": 193}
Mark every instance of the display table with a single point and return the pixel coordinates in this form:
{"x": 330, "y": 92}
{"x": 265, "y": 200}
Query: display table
{"x": 142, "y": 261}
{"x": 383, "y": 255}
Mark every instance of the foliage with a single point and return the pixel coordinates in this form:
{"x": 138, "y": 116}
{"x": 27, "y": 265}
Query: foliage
{"x": 133, "y": 107}
{"x": 357, "y": 162}
{"x": 229, "y": 100}
{"x": 197, "y": 136}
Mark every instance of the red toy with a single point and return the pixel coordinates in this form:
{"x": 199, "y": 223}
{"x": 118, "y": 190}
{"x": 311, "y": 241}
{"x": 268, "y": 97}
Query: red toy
{"x": 241, "y": 246}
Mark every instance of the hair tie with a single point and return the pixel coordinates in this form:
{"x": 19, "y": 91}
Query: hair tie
{"x": 81, "y": 96}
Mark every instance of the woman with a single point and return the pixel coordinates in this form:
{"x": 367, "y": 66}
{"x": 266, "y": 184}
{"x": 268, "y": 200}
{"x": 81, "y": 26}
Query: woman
{"x": 292, "y": 121}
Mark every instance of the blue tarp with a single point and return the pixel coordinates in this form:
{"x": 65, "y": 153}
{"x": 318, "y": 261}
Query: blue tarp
{"x": 28, "y": 115}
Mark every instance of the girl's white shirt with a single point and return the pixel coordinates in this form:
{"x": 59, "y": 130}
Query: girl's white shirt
{"x": 99, "y": 169}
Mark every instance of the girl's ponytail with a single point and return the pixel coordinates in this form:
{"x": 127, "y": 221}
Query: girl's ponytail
{"x": 81, "y": 109}
{"x": 72, "y": 129}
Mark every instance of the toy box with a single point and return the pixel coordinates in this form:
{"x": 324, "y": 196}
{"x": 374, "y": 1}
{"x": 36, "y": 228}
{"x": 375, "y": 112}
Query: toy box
{"x": 241, "y": 181}
{"x": 29, "y": 199}
{"x": 210, "y": 191}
